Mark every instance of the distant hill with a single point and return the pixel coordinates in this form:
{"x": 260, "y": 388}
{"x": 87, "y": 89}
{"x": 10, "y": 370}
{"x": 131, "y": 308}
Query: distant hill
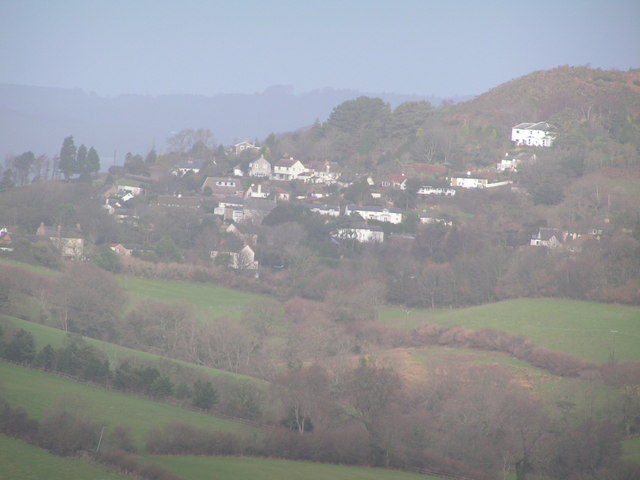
{"x": 38, "y": 118}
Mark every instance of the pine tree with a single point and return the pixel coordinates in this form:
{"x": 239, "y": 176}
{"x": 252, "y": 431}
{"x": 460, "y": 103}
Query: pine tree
{"x": 67, "y": 164}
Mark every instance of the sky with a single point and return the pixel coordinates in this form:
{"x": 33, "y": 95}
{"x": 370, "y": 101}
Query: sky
{"x": 426, "y": 47}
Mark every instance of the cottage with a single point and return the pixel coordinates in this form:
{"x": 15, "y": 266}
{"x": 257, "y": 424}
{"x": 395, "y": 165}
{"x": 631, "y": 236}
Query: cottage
{"x": 68, "y": 241}
{"x": 548, "y": 237}
{"x": 238, "y": 257}
{"x": 540, "y": 134}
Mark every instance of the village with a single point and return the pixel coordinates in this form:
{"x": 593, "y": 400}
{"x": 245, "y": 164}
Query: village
{"x": 251, "y": 191}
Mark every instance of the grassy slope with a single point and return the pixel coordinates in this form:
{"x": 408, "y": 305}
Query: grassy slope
{"x": 38, "y": 391}
{"x": 228, "y": 468}
{"x": 46, "y": 335}
{"x": 585, "y": 329}
{"x": 206, "y": 299}
{"x": 21, "y": 461}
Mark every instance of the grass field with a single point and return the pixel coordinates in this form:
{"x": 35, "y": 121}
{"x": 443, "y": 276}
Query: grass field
{"x": 21, "y": 461}
{"x": 209, "y": 301}
{"x": 592, "y": 331}
{"x": 44, "y": 335}
{"x": 232, "y": 468}
{"x": 38, "y": 391}
{"x": 631, "y": 450}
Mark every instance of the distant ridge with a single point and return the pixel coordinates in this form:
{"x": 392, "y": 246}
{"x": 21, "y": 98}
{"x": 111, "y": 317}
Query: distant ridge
{"x": 38, "y": 118}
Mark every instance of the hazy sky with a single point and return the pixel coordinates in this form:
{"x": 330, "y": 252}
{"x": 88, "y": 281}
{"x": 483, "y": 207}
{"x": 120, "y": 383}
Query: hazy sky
{"x": 443, "y": 47}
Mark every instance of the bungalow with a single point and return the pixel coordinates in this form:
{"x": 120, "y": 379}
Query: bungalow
{"x": 361, "y": 233}
{"x": 439, "y": 191}
{"x": 381, "y": 214}
{"x": 540, "y": 134}
{"x": 468, "y": 180}
{"x": 222, "y": 186}
{"x": 427, "y": 220}
{"x": 68, "y": 241}
{"x": 329, "y": 210}
{"x": 187, "y": 166}
{"x": 287, "y": 169}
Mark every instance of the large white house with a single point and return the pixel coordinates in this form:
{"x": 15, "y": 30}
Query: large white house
{"x": 287, "y": 169}
{"x": 390, "y": 215}
{"x": 541, "y": 134}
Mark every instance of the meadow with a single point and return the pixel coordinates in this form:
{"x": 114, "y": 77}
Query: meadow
{"x": 207, "y": 300}
{"x": 38, "y": 392}
{"x": 231, "y": 468}
{"x": 596, "y": 332}
{"x": 21, "y": 461}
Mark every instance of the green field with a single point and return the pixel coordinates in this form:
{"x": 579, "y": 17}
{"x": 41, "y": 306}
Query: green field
{"x": 232, "y": 468}
{"x": 44, "y": 335}
{"x": 209, "y": 301}
{"x": 631, "y": 450}
{"x": 21, "y": 461}
{"x": 37, "y": 392}
{"x": 592, "y": 331}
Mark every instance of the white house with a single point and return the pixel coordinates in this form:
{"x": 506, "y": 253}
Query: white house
{"x": 255, "y": 191}
{"x": 439, "y": 191}
{"x": 329, "y": 210}
{"x": 287, "y": 169}
{"x": 381, "y": 214}
{"x": 361, "y": 234}
{"x": 468, "y": 180}
{"x": 541, "y": 134}
{"x": 547, "y": 237}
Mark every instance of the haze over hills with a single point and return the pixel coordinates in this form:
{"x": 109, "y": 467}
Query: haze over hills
{"x": 38, "y": 118}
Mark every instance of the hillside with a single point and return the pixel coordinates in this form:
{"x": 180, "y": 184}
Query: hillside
{"x": 561, "y": 94}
